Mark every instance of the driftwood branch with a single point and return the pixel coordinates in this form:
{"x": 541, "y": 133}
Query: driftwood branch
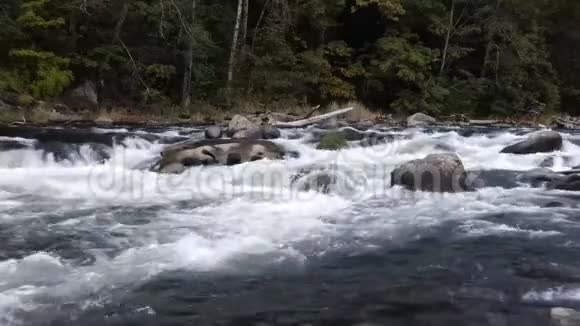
{"x": 312, "y": 120}
{"x": 314, "y": 109}
{"x": 482, "y": 122}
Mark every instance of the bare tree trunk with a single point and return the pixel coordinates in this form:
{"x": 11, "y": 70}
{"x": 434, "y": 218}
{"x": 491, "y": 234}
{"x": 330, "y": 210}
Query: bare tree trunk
{"x": 245, "y": 23}
{"x": 187, "y": 74}
{"x": 259, "y": 23}
{"x": 485, "y": 59}
{"x": 120, "y": 22}
{"x": 447, "y": 38}
{"x": 116, "y": 38}
{"x": 489, "y": 44}
{"x": 253, "y": 44}
{"x": 234, "y": 50}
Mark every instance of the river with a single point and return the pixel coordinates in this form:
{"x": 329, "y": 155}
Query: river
{"x": 84, "y": 242}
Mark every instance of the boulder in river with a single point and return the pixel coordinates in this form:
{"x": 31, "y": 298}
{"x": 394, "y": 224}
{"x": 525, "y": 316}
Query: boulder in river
{"x": 540, "y": 142}
{"x": 420, "y": 119}
{"x": 241, "y": 127}
{"x": 213, "y": 132}
{"x": 177, "y": 158}
{"x": 435, "y": 173}
{"x": 239, "y": 123}
{"x": 271, "y": 132}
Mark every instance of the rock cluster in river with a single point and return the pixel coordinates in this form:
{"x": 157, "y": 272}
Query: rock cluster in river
{"x": 241, "y": 127}
{"x": 177, "y": 158}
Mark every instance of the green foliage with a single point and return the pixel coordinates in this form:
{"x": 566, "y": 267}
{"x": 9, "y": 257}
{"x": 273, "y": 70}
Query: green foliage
{"x": 33, "y": 15}
{"x": 389, "y": 8}
{"x": 333, "y": 141}
{"x": 11, "y": 80}
{"x": 43, "y": 74}
{"x": 477, "y": 57}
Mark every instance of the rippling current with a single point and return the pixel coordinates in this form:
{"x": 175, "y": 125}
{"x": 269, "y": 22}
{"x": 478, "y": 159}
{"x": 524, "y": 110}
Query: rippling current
{"x": 87, "y": 243}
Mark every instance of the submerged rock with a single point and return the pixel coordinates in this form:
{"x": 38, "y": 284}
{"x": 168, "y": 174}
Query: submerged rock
{"x": 333, "y": 141}
{"x": 540, "y": 142}
{"x": 271, "y": 132}
{"x": 59, "y": 151}
{"x": 536, "y": 269}
{"x": 176, "y": 158}
{"x": 9, "y": 145}
{"x": 213, "y": 132}
{"x": 420, "y": 119}
{"x": 325, "y": 180}
{"x": 565, "y": 316}
{"x": 566, "y": 182}
{"x": 539, "y": 177}
{"x": 352, "y": 134}
{"x": 435, "y": 173}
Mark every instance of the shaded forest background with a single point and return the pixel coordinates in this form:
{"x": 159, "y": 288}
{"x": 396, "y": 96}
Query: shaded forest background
{"x": 477, "y": 57}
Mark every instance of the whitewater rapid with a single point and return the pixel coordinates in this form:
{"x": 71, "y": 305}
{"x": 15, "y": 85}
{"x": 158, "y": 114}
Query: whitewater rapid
{"x": 79, "y": 234}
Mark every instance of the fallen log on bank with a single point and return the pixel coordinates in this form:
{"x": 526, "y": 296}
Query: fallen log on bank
{"x": 483, "y": 122}
{"x": 311, "y": 120}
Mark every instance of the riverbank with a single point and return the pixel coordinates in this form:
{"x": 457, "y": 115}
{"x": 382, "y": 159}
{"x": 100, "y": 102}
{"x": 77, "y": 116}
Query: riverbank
{"x": 51, "y": 114}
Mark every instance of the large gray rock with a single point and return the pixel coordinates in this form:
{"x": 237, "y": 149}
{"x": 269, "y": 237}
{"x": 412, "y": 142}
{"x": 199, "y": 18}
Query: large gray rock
{"x": 435, "y": 173}
{"x": 177, "y": 158}
{"x": 420, "y": 119}
{"x": 239, "y": 123}
{"x": 271, "y": 132}
{"x": 83, "y": 96}
{"x": 540, "y": 142}
{"x": 213, "y": 132}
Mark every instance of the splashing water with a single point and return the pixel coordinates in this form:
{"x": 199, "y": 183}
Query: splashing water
{"x": 85, "y": 242}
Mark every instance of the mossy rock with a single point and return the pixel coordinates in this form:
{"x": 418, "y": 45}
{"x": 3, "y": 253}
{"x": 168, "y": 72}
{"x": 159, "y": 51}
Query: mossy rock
{"x": 25, "y": 100}
{"x": 11, "y": 115}
{"x": 333, "y": 141}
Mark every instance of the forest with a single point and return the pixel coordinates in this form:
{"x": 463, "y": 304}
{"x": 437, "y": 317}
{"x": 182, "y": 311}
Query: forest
{"x": 476, "y": 57}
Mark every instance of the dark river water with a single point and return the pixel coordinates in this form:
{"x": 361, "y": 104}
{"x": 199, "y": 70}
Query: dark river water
{"x": 84, "y": 242}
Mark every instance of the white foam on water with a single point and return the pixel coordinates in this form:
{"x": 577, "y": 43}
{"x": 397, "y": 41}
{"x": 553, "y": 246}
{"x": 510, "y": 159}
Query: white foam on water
{"x": 552, "y": 295}
{"x": 485, "y": 228}
{"x": 242, "y": 218}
